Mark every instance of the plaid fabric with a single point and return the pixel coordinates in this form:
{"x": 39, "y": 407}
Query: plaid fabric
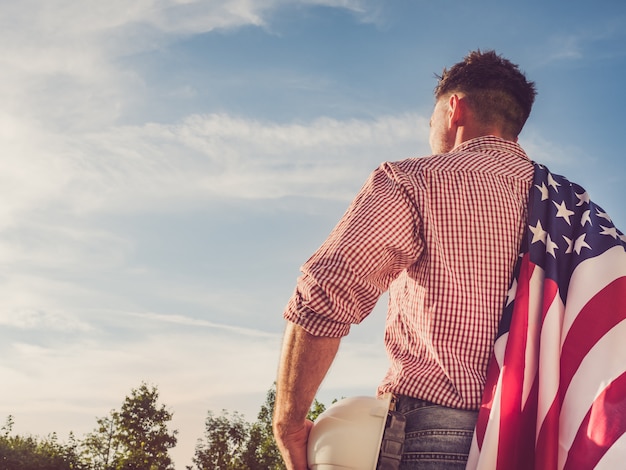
{"x": 442, "y": 235}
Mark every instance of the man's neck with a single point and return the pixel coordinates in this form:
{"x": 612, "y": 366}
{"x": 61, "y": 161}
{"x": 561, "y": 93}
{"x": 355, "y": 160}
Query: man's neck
{"x": 465, "y": 133}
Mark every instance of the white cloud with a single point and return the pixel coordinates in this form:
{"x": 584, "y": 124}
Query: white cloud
{"x": 59, "y": 244}
{"x": 158, "y": 166}
{"x": 120, "y": 27}
{"x": 61, "y": 258}
{"x": 565, "y": 47}
{"x": 577, "y": 44}
{"x": 64, "y": 87}
{"x": 25, "y": 318}
{"x": 63, "y": 64}
{"x": 182, "y": 320}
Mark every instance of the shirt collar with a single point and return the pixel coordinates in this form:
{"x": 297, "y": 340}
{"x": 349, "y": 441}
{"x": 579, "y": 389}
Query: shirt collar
{"x": 491, "y": 142}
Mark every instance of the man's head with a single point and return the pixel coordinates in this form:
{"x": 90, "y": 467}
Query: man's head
{"x": 489, "y": 88}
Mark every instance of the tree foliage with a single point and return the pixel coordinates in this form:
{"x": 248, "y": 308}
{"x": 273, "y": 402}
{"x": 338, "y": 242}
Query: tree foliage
{"x": 142, "y": 431}
{"x": 33, "y": 453}
{"x": 136, "y": 437}
{"x": 261, "y": 450}
{"x": 224, "y": 439}
{"x": 100, "y": 447}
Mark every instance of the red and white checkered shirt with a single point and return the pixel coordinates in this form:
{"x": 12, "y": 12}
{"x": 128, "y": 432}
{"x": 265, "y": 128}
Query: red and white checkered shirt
{"x": 442, "y": 234}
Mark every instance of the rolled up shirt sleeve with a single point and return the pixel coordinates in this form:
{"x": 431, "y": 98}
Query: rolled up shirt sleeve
{"x": 376, "y": 239}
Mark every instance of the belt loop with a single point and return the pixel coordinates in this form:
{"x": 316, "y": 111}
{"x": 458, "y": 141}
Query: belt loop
{"x": 393, "y": 403}
{"x": 392, "y": 443}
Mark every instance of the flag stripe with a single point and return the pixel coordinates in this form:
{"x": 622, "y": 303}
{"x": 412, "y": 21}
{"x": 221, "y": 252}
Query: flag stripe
{"x": 547, "y": 382}
{"x": 614, "y": 456}
{"x": 602, "y": 364}
{"x": 550, "y": 350}
{"x": 547, "y": 447}
{"x": 590, "y": 277}
{"x": 488, "y": 459}
{"x": 589, "y": 327}
{"x": 603, "y": 425}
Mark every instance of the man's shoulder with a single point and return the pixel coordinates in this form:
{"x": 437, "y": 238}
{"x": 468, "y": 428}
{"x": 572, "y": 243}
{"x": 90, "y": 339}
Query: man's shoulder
{"x": 500, "y": 159}
{"x": 463, "y": 160}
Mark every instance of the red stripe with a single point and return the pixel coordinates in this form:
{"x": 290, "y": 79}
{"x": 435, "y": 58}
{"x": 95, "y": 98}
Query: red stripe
{"x": 513, "y": 373}
{"x": 550, "y": 291}
{"x": 527, "y": 429}
{"x": 603, "y": 425}
{"x": 546, "y": 450}
{"x": 605, "y": 310}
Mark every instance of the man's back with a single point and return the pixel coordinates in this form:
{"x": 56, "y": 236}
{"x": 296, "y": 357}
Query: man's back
{"x": 445, "y": 308}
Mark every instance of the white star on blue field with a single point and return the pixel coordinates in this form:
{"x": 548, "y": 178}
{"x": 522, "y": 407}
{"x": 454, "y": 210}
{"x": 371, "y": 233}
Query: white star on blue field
{"x": 167, "y": 166}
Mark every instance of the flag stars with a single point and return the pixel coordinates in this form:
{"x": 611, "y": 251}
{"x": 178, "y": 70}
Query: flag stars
{"x": 543, "y": 189}
{"x": 563, "y": 211}
{"x": 510, "y": 296}
{"x": 611, "y": 231}
{"x": 551, "y": 246}
{"x": 539, "y": 234}
{"x": 582, "y": 199}
{"x": 586, "y": 217}
{"x": 580, "y": 243}
{"x": 570, "y": 244}
{"x": 552, "y": 182}
{"x": 604, "y": 215}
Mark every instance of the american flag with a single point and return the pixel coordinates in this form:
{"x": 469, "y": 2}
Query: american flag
{"x": 555, "y": 395}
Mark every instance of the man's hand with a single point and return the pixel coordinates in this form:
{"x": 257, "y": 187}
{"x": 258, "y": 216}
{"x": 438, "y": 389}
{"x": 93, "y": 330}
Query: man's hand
{"x": 293, "y": 445}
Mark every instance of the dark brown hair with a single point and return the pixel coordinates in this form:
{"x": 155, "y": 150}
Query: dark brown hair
{"x": 496, "y": 90}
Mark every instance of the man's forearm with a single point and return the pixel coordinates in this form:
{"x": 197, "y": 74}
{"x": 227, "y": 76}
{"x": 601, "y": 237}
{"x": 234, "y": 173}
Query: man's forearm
{"x": 305, "y": 360}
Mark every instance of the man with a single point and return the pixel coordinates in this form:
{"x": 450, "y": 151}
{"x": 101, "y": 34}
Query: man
{"x": 442, "y": 235}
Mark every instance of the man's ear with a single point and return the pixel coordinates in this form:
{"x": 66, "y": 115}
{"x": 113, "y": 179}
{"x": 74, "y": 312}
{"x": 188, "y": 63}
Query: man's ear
{"x": 458, "y": 110}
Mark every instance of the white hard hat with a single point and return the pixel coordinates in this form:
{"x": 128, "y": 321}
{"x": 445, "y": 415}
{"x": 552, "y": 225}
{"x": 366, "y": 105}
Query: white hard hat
{"x": 348, "y": 434}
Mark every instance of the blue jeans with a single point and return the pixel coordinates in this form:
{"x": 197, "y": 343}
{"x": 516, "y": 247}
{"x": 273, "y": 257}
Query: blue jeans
{"x": 437, "y": 437}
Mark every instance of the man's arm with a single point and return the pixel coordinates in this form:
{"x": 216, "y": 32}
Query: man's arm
{"x": 304, "y": 362}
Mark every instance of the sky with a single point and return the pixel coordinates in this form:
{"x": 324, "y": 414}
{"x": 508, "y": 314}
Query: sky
{"x": 167, "y": 165}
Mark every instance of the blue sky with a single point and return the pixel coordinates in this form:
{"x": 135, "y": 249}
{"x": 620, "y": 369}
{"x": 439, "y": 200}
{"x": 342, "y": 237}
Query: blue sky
{"x": 167, "y": 165}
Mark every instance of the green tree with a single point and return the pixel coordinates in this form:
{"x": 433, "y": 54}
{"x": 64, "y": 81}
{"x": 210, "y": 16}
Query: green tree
{"x": 142, "y": 431}
{"x": 100, "y": 447}
{"x": 32, "y": 453}
{"x": 224, "y": 440}
{"x": 261, "y": 450}
{"x": 134, "y": 438}
{"x": 317, "y": 409}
